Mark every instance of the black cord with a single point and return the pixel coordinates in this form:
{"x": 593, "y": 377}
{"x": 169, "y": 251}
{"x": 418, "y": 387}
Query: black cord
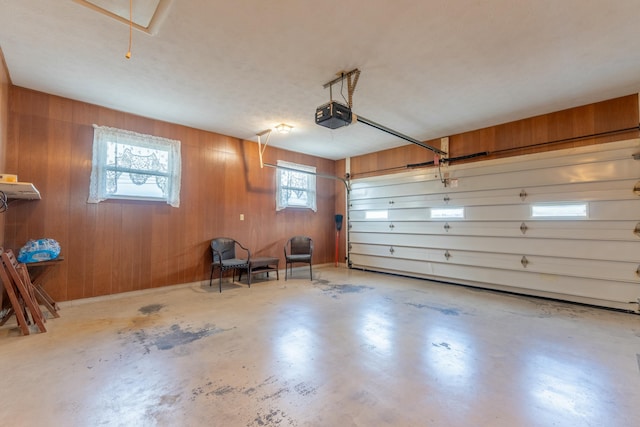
{"x": 4, "y": 204}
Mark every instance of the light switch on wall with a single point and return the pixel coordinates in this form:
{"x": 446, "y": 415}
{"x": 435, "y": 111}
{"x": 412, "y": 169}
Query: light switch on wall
{"x": 241, "y": 217}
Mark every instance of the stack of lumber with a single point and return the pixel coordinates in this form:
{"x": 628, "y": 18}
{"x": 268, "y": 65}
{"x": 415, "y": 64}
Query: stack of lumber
{"x": 21, "y": 294}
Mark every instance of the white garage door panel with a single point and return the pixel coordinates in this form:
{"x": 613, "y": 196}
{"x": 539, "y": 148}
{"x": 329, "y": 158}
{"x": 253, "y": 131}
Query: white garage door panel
{"x": 589, "y": 230}
{"x": 615, "y": 209}
{"x": 428, "y": 186}
{"x": 533, "y": 195}
{"x": 617, "y": 152}
{"x": 587, "y": 249}
{"x": 610, "y": 209}
{"x": 620, "y": 210}
{"x": 600, "y": 291}
{"x": 594, "y": 269}
{"x": 593, "y": 258}
{"x": 599, "y": 190}
{"x": 585, "y": 173}
{"x": 495, "y": 175}
{"x": 487, "y": 228}
{"x": 501, "y": 184}
{"x": 578, "y": 286}
{"x": 401, "y": 266}
{"x": 604, "y": 270}
{"x": 558, "y": 193}
{"x": 393, "y": 202}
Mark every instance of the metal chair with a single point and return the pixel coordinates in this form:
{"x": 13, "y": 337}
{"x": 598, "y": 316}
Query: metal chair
{"x": 224, "y": 258}
{"x": 298, "y": 249}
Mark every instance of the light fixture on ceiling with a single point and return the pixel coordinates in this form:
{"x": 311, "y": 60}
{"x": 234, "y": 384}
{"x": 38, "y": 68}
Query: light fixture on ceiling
{"x": 284, "y": 128}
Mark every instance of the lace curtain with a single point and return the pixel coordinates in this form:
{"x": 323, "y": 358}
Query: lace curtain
{"x": 137, "y": 159}
{"x": 295, "y": 189}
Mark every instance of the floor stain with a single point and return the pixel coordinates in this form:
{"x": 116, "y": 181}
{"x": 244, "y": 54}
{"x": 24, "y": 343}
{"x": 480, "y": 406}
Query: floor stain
{"x": 335, "y": 290}
{"x": 442, "y": 344}
{"x": 210, "y": 389}
{"x": 551, "y": 308}
{"x": 445, "y": 311}
{"x": 177, "y": 337}
{"x": 264, "y": 395}
{"x": 221, "y": 391}
{"x": 274, "y": 417}
{"x": 142, "y": 322}
{"x": 174, "y": 337}
{"x": 195, "y": 392}
{"x": 304, "y": 389}
{"x": 151, "y": 308}
{"x": 363, "y": 397}
{"x": 169, "y": 399}
{"x": 278, "y": 394}
{"x": 156, "y": 412}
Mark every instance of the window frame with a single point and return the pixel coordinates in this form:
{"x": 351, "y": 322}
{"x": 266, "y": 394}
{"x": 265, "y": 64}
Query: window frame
{"x": 104, "y": 137}
{"x": 311, "y": 187}
{"x": 559, "y": 205}
{"x": 447, "y": 213}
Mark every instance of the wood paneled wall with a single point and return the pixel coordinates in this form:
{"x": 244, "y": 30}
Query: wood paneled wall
{"x": 341, "y": 208}
{"x": 4, "y": 125}
{"x": 119, "y": 246}
{"x": 600, "y": 122}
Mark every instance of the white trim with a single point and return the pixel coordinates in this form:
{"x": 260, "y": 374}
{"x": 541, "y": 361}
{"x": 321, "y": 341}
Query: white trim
{"x": 104, "y": 136}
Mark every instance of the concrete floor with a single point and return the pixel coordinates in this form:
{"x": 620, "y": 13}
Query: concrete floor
{"x": 347, "y": 349}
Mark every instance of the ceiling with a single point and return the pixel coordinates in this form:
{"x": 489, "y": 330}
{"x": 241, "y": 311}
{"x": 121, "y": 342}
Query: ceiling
{"x": 429, "y": 68}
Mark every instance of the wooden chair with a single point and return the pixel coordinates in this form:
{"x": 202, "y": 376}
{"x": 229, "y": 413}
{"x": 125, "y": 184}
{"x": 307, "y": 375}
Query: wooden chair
{"x": 224, "y": 258}
{"x": 298, "y": 249}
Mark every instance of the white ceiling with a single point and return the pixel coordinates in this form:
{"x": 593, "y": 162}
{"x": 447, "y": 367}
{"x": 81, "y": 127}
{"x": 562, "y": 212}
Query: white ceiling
{"x": 430, "y": 68}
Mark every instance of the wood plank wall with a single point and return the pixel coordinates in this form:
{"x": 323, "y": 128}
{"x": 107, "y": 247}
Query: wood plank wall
{"x": 341, "y": 203}
{"x": 600, "y": 122}
{"x": 4, "y": 125}
{"x": 119, "y": 246}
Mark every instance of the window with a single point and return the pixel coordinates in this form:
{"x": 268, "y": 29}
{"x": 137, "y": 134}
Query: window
{"x": 441, "y": 213}
{"x": 130, "y": 165}
{"x": 376, "y": 214}
{"x": 296, "y": 186}
{"x": 559, "y": 210}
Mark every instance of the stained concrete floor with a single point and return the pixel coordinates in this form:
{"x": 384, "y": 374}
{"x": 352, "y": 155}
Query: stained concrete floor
{"x": 347, "y": 349}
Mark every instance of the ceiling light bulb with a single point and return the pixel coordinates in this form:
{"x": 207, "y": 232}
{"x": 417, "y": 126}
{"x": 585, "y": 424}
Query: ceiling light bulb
{"x": 284, "y": 128}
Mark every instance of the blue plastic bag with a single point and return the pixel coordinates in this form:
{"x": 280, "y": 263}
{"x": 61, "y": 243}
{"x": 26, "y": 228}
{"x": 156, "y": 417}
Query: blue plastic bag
{"x": 39, "y": 250}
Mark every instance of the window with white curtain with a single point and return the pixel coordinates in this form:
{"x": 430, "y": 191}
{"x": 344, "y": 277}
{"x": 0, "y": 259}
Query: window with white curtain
{"x": 130, "y": 165}
{"x": 296, "y": 186}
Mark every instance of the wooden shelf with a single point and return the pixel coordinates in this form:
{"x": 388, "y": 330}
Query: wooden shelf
{"x": 20, "y": 190}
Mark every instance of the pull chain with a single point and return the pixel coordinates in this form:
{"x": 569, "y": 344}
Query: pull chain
{"x": 128, "y": 55}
